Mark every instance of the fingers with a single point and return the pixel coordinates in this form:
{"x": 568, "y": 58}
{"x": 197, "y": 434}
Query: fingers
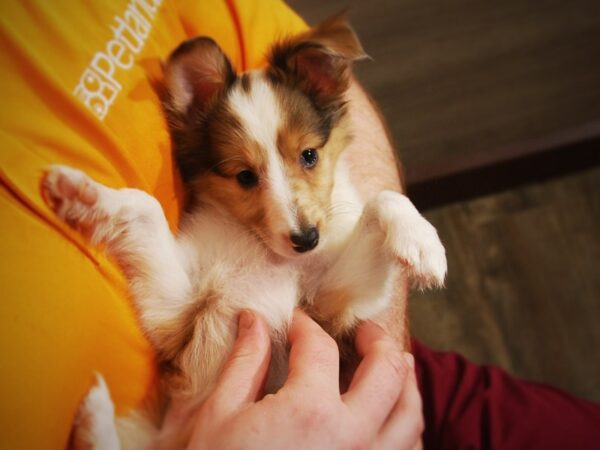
{"x": 379, "y": 378}
{"x": 314, "y": 358}
{"x": 405, "y": 424}
{"x": 244, "y": 373}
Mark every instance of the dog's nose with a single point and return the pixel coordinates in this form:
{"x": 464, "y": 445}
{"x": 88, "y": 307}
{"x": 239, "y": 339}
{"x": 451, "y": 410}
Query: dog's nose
{"x": 306, "y": 240}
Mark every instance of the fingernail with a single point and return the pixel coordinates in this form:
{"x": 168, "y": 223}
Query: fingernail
{"x": 410, "y": 360}
{"x": 246, "y": 321}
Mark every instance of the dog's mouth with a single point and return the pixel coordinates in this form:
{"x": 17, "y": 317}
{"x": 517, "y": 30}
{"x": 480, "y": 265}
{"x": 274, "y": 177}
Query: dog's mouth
{"x": 299, "y": 249}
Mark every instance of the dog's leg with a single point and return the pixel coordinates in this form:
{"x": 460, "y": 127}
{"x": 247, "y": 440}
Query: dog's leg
{"x": 132, "y": 226}
{"x": 390, "y": 236}
{"x": 94, "y": 425}
{"x": 409, "y": 238}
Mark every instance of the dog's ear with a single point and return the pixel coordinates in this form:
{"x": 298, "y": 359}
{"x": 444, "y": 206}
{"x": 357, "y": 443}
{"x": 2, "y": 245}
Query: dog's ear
{"x": 318, "y": 61}
{"x": 195, "y": 73}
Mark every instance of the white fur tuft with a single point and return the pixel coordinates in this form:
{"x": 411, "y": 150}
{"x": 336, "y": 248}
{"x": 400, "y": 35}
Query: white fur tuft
{"x": 259, "y": 114}
{"x": 94, "y": 426}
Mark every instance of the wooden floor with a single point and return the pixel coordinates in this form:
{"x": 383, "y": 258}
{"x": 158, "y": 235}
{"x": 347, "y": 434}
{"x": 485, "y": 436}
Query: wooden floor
{"x": 464, "y": 83}
{"x": 523, "y": 289}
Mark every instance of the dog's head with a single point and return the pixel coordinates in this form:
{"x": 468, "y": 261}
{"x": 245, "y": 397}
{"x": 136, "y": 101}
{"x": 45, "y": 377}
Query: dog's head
{"x": 263, "y": 145}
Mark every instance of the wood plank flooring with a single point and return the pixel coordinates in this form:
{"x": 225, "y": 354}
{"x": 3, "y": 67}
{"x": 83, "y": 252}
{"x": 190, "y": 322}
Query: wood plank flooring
{"x": 523, "y": 289}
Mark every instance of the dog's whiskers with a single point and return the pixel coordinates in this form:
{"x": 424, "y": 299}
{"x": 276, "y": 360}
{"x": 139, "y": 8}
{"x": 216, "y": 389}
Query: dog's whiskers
{"x": 341, "y": 208}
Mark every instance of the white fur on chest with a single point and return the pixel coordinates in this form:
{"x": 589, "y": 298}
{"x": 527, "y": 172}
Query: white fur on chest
{"x": 246, "y": 275}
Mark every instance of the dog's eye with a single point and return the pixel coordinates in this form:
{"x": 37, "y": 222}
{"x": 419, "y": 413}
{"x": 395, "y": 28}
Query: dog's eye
{"x": 309, "y": 157}
{"x": 247, "y": 178}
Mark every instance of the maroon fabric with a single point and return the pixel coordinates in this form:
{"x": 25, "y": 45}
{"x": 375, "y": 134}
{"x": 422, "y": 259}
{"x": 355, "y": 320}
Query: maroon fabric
{"x": 479, "y": 407}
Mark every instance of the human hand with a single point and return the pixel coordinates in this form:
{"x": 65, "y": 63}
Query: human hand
{"x": 381, "y": 409}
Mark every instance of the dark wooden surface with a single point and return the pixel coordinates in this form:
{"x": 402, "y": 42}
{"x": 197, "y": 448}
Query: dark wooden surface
{"x": 523, "y": 289}
{"x": 466, "y": 85}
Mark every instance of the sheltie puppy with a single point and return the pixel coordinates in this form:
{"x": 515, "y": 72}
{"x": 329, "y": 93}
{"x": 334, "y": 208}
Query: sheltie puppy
{"x": 273, "y": 224}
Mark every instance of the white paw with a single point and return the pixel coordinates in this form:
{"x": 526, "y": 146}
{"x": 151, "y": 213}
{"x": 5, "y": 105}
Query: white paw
{"x": 71, "y": 194}
{"x": 410, "y": 238}
{"x": 94, "y": 424}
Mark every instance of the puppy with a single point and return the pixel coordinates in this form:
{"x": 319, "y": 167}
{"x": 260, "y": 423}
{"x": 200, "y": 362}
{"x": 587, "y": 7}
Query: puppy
{"x": 273, "y": 223}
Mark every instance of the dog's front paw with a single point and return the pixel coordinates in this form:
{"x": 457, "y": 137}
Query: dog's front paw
{"x": 70, "y": 193}
{"x": 410, "y": 238}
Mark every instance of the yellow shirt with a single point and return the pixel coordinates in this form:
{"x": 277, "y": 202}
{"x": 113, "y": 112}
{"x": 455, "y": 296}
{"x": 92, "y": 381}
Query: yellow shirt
{"x": 77, "y": 89}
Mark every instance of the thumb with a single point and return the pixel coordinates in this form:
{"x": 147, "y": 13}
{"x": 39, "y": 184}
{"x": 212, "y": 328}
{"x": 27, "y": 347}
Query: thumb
{"x": 246, "y": 368}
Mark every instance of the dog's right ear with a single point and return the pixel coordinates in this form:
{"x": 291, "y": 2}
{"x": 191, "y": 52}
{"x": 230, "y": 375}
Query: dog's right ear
{"x": 195, "y": 73}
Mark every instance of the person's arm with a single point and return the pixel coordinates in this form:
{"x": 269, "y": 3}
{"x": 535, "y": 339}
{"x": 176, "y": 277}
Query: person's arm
{"x": 381, "y": 409}
{"x": 372, "y": 158}
{"x": 374, "y": 167}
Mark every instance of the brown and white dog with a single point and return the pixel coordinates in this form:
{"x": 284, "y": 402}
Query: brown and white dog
{"x": 273, "y": 223}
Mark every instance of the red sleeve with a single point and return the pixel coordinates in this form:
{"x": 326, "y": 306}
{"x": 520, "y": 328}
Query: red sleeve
{"x": 479, "y": 407}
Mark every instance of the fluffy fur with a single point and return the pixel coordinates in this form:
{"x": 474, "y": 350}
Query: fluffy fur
{"x": 266, "y": 229}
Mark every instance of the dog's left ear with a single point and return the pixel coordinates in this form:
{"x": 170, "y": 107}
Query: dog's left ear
{"x": 318, "y": 61}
